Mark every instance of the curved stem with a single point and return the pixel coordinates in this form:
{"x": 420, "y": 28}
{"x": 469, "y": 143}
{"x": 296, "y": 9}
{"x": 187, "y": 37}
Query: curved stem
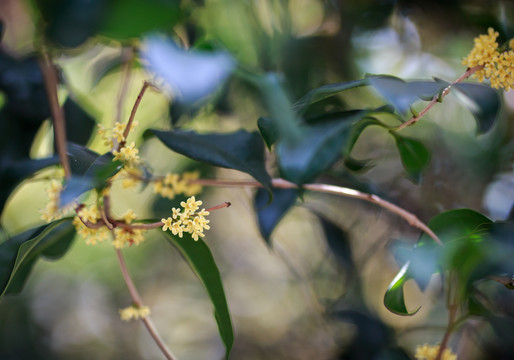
{"x": 136, "y": 298}
{"x": 439, "y": 98}
{"x": 331, "y": 189}
{"x": 146, "y": 84}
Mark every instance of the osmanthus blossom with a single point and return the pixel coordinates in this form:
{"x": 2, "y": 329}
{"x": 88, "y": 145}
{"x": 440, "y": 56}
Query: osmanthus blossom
{"x": 429, "y": 352}
{"x": 498, "y": 63}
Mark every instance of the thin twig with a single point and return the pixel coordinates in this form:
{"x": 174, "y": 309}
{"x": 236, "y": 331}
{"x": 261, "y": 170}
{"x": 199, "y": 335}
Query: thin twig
{"x": 331, "y": 189}
{"x": 438, "y": 98}
{"x": 136, "y": 298}
{"x": 50, "y": 79}
{"x": 146, "y": 84}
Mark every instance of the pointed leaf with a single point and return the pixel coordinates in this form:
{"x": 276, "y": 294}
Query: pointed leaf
{"x": 242, "y": 150}
{"x": 394, "y": 299}
{"x": 483, "y": 102}
{"x": 19, "y": 253}
{"x": 338, "y": 242}
{"x": 269, "y": 131}
{"x": 200, "y": 258}
{"x": 324, "y": 92}
{"x": 415, "y": 156}
{"x": 269, "y": 215}
{"x": 192, "y": 75}
{"x": 320, "y": 146}
{"x": 278, "y": 104}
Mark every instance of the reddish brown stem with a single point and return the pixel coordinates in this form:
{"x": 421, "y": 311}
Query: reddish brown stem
{"x": 438, "y": 98}
{"x": 146, "y": 84}
{"x": 50, "y": 79}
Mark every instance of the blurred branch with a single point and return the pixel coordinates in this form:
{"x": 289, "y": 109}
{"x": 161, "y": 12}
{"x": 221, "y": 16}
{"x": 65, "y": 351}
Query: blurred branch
{"x": 126, "y": 58}
{"x": 146, "y": 84}
{"x": 136, "y": 298}
{"x": 331, "y": 189}
{"x": 50, "y": 78}
{"x": 439, "y": 97}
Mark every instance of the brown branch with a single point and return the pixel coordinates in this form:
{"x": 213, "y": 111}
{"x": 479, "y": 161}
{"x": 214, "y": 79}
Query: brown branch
{"x": 136, "y": 298}
{"x": 50, "y": 79}
{"x": 438, "y": 98}
{"x": 331, "y": 189}
{"x": 146, "y": 84}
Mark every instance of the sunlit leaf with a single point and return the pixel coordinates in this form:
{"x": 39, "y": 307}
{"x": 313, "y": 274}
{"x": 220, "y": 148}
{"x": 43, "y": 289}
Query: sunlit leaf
{"x": 242, "y": 150}
{"x": 191, "y": 75}
{"x": 427, "y": 258}
{"x": 19, "y": 253}
{"x": 319, "y": 147}
{"x": 415, "y": 156}
{"x": 483, "y": 102}
{"x": 270, "y": 214}
{"x": 200, "y": 258}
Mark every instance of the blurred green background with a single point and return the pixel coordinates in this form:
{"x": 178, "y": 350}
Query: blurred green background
{"x": 280, "y": 298}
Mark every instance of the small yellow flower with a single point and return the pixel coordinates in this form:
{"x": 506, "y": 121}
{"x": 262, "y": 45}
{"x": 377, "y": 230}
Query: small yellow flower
{"x": 134, "y": 312}
{"x": 127, "y": 154}
{"x": 191, "y": 205}
{"x": 427, "y": 352}
{"x": 129, "y": 216}
{"x": 176, "y": 228}
{"x": 167, "y": 223}
{"x": 52, "y": 211}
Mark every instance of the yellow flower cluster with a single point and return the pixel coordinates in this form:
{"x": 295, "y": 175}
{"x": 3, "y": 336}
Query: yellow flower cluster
{"x": 174, "y": 184}
{"x": 124, "y": 237}
{"x": 427, "y": 352}
{"x": 498, "y": 65}
{"x": 114, "y": 134}
{"x": 51, "y": 211}
{"x": 134, "y": 312}
{"x": 187, "y": 221}
{"x": 127, "y": 154}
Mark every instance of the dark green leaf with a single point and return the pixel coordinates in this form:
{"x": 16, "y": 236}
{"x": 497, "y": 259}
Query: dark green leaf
{"x": 277, "y": 103}
{"x": 324, "y": 92}
{"x": 200, "y": 259}
{"x": 269, "y": 131}
{"x": 319, "y": 147}
{"x": 19, "y": 253}
{"x": 81, "y": 158}
{"x": 415, "y": 156}
{"x": 483, "y": 102}
{"x": 270, "y": 214}
{"x": 402, "y": 94}
{"x": 358, "y": 166}
{"x": 357, "y": 129}
{"x": 241, "y": 150}
{"x": 79, "y": 124}
{"x": 127, "y": 19}
{"x": 338, "y": 242}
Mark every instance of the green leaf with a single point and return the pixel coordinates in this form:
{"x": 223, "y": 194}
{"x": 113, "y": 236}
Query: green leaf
{"x": 483, "y": 102}
{"x": 127, "y": 19}
{"x": 452, "y": 227}
{"x": 415, "y": 156}
{"x": 402, "y": 94}
{"x": 89, "y": 171}
{"x": 277, "y": 103}
{"x": 269, "y": 131}
{"x": 19, "y": 253}
{"x": 357, "y": 129}
{"x": 15, "y": 172}
{"x": 269, "y": 215}
{"x": 319, "y": 147}
{"x": 324, "y": 92}
{"x": 79, "y": 124}
{"x": 241, "y": 150}
{"x": 394, "y": 299}
{"x": 200, "y": 259}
